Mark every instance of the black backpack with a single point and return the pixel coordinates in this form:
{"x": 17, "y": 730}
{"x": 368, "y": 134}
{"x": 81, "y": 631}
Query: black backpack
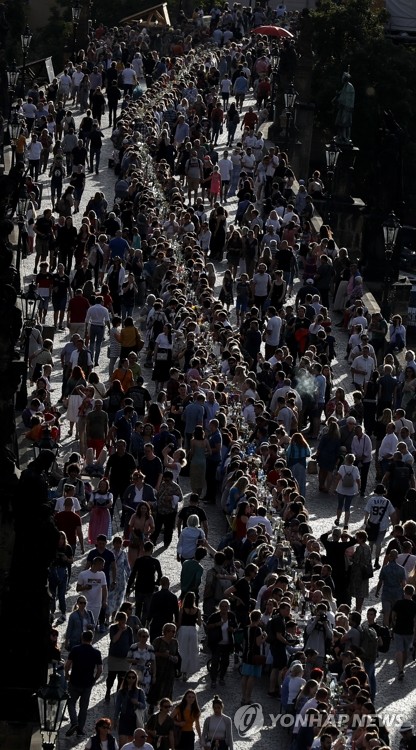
{"x": 157, "y": 326}
{"x": 384, "y": 634}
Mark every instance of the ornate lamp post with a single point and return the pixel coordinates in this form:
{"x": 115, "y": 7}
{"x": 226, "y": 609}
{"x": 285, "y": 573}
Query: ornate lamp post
{"x": 290, "y": 96}
{"x": 22, "y": 203}
{"x": 391, "y": 227}
{"x": 26, "y": 40}
{"x": 52, "y": 700}
{"x": 12, "y": 78}
{"x": 14, "y": 131}
{"x": 332, "y": 152}
{"x": 29, "y": 305}
{"x": 76, "y": 15}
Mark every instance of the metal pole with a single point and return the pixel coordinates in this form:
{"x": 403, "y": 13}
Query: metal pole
{"x": 21, "y": 396}
{"x": 74, "y": 41}
{"x": 13, "y": 154}
{"x": 19, "y": 250}
{"x": 23, "y": 73}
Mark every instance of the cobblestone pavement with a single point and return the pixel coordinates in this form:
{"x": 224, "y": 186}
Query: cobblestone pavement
{"x": 398, "y": 698}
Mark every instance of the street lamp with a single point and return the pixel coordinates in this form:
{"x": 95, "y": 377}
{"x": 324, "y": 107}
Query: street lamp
{"x": 14, "y": 131}
{"x": 332, "y": 152}
{"x": 22, "y": 203}
{"x": 76, "y": 15}
{"x": 12, "y": 78}
{"x": 290, "y": 97}
{"x": 29, "y": 302}
{"x": 52, "y": 700}
{"x": 391, "y": 227}
{"x": 26, "y": 40}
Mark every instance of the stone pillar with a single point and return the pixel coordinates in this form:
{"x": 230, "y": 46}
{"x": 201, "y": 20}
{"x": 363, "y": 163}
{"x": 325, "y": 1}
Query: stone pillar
{"x": 344, "y": 174}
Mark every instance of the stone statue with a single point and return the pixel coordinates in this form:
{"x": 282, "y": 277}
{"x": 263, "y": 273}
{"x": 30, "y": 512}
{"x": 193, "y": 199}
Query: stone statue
{"x": 345, "y": 100}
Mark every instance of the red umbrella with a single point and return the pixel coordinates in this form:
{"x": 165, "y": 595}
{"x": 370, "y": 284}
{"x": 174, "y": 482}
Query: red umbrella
{"x": 273, "y": 31}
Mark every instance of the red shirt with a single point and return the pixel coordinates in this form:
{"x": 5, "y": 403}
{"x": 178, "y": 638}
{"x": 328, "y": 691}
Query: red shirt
{"x": 69, "y": 522}
{"x": 77, "y": 308}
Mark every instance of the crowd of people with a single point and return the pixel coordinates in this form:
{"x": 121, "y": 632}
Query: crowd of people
{"x": 243, "y": 410}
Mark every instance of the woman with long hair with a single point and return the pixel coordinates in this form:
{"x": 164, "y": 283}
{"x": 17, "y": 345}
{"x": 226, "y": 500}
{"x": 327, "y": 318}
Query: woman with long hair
{"x": 113, "y": 400}
{"x": 115, "y": 279}
{"x": 75, "y": 390}
{"x": 166, "y": 653}
{"x": 162, "y": 357}
{"x": 84, "y": 242}
{"x": 100, "y": 503}
{"x": 160, "y": 727}
{"x": 199, "y": 449}
{"x": 360, "y": 561}
{"x": 117, "y": 594}
{"x": 327, "y": 453}
{"x": 252, "y": 656}
{"x": 130, "y": 707}
{"x": 154, "y": 417}
{"x": 186, "y": 717}
{"x": 217, "y": 731}
{"x": 141, "y": 527}
{"x": 130, "y": 338}
{"x": 79, "y": 620}
{"x": 189, "y": 621}
{"x": 296, "y": 454}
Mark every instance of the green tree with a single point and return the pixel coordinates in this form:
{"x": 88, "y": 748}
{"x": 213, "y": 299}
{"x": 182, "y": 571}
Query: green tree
{"x": 383, "y": 73}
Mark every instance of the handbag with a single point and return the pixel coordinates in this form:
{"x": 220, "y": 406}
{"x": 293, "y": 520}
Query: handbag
{"x": 140, "y": 715}
{"x": 312, "y": 466}
{"x": 367, "y": 570}
{"x": 161, "y": 356}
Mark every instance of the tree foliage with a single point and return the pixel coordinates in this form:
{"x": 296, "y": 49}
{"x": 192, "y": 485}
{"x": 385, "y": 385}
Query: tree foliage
{"x": 351, "y": 35}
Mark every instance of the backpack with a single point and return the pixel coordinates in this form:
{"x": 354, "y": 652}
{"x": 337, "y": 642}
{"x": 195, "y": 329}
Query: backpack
{"x": 348, "y": 480}
{"x": 369, "y": 643}
{"x": 384, "y": 634}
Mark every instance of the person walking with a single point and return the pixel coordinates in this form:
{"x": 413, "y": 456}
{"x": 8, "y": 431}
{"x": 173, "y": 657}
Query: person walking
{"x": 378, "y": 514}
{"x": 130, "y": 707}
{"x": 218, "y": 728}
{"x": 348, "y": 486}
{"x": 186, "y": 717}
{"x": 102, "y": 737}
{"x": 83, "y": 667}
{"x": 93, "y": 584}
{"x": 121, "y": 639}
{"x": 188, "y": 623}
{"x": 403, "y": 618}
{"x": 392, "y": 578}
{"x": 361, "y": 570}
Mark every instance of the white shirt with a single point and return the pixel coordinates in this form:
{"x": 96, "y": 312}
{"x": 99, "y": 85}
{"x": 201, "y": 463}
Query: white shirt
{"x": 34, "y": 150}
{"x": 388, "y": 446}
{"x": 74, "y": 359}
{"x": 274, "y": 326}
{"x": 248, "y": 162}
{"x": 255, "y": 520}
{"x": 361, "y": 448}
{"x": 98, "y": 581}
{"x": 261, "y": 283}
{"x": 374, "y": 507}
{"x": 226, "y": 167}
{"x": 59, "y": 504}
{"x": 132, "y": 746}
{"x": 403, "y": 422}
{"x": 77, "y": 77}
{"x": 226, "y": 85}
{"x": 365, "y": 365}
{"x": 97, "y": 315}
{"x": 409, "y": 564}
{"x": 129, "y": 76}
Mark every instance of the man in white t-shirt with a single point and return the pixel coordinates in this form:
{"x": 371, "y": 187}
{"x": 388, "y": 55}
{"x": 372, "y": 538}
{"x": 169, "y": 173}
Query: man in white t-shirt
{"x": 272, "y": 333}
{"x": 226, "y": 167}
{"x": 379, "y": 509}
{"x": 93, "y": 584}
{"x": 129, "y": 79}
{"x": 260, "y": 284}
{"x": 400, "y": 421}
{"x": 139, "y": 741}
{"x": 260, "y": 519}
{"x": 362, "y": 368}
{"x": 69, "y": 491}
{"x": 406, "y": 558}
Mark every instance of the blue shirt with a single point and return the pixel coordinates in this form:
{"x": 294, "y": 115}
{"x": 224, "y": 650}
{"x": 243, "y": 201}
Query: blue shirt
{"x": 118, "y": 247}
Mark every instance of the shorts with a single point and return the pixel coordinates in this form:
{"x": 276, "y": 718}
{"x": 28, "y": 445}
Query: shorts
{"x": 344, "y": 502}
{"x": 251, "y": 670}
{"x": 241, "y": 306}
{"x": 279, "y": 657}
{"x": 59, "y": 305}
{"x": 193, "y": 183}
{"x": 43, "y": 303}
{"x": 402, "y": 642}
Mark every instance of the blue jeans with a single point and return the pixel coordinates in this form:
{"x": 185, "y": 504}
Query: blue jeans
{"x": 58, "y": 578}
{"x": 83, "y": 695}
{"x": 96, "y": 339}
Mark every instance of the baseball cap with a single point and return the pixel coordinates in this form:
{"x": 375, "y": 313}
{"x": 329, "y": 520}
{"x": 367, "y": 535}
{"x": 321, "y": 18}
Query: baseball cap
{"x": 407, "y": 726}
